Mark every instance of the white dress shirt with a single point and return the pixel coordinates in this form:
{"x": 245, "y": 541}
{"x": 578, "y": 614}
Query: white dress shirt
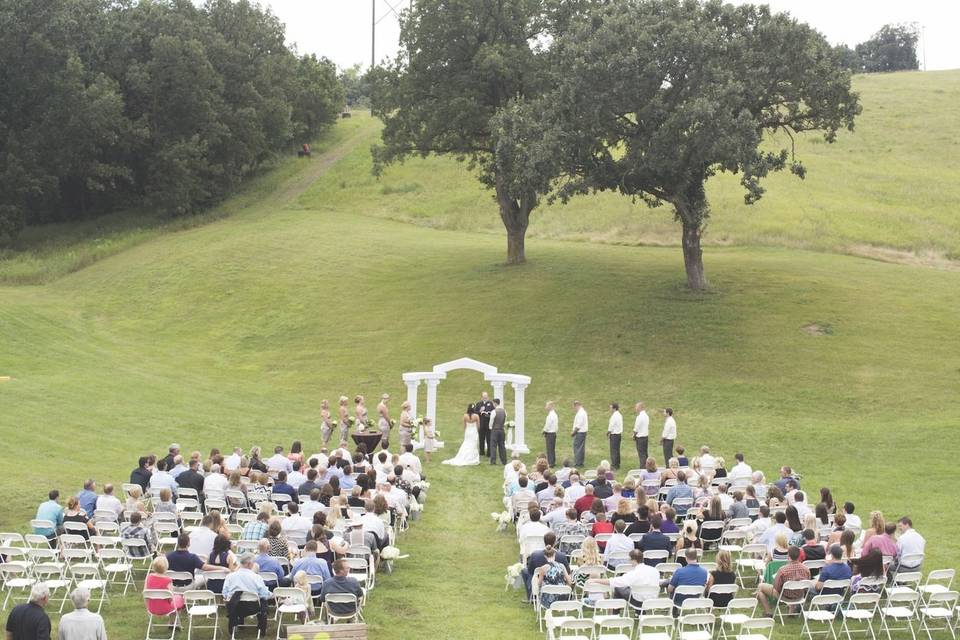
{"x": 215, "y": 482}
{"x": 296, "y": 527}
{"x": 232, "y": 462}
{"x": 412, "y": 461}
{"x": 910, "y": 542}
{"x": 853, "y": 520}
{"x": 310, "y": 507}
{"x": 81, "y": 625}
{"x": 109, "y": 503}
{"x": 551, "y": 423}
{"x": 531, "y": 528}
{"x": 556, "y": 516}
{"x": 616, "y": 544}
{"x": 201, "y": 542}
{"x": 642, "y": 575}
{"x": 740, "y": 471}
{"x": 641, "y": 426}
{"x": 295, "y": 479}
{"x": 279, "y": 462}
{"x": 669, "y": 429}
{"x": 580, "y": 422}
{"x": 615, "y": 426}
{"x": 373, "y": 523}
{"x": 161, "y": 479}
{"x": 574, "y": 492}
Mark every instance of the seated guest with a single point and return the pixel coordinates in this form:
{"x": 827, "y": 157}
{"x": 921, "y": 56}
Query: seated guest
{"x": 178, "y": 467}
{"x": 650, "y": 475}
{"x": 374, "y": 524}
{"x": 341, "y": 582}
{"x": 283, "y": 487}
{"x": 786, "y": 476}
{"x": 713, "y": 513}
{"x": 641, "y": 575}
{"x": 295, "y": 478}
{"x": 135, "y": 502}
{"x": 310, "y": 564}
{"x": 555, "y": 512}
{"x": 161, "y": 478}
{"x": 679, "y": 490}
{"x": 885, "y": 542}
{"x": 552, "y": 572}
{"x": 269, "y": 564}
{"x": 689, "y": 540}
{"x": 136, "y": 531}
{"x": 246, "y": 580}
{"x": 751, "y": 497}
{"x": 533, "y": 527}
{"x": 835, "y": 569}
{"x": 769, "y": 536}
{"x": 158, "y": 579}
{"x": 548, "y": 492}
{"x": 81, "y": 623}
{"x": 313, "y": 506}
{"x": 585, "y": 502}
{"x": 876, "y": 528}
{"x": 109, "y": 502}
{"x": 221, "y": 557}
{"x": 909, "y": 542}
{"x": 52, "y": 512}
{"x": 761, "y": 524}
{"x": 629, "y": 489}
{"x": 523, "y": 495}
{"x": 201, "y": 538}
{"x": 869, "y": 565}
{"x": 310, "y": 484}
{"x": 256, "y": 529}
{"x": 793, "y": 570}
{"x": 191, "y": 478}
{"x": 215, "y": 481}
{"x": 573, "y": 489}
{"x": 689, "y": 575}
{"x": 654, "y": 540}
{"x": 741, "y": 471}
{"x": 279, "y": 462}
{"x": 538, "y": 558}
{"x": 670, "y": 473}
{"x": 256, "y": 462}
{"x": 166, "y": 504}
{"x": 618, "y": 543}
{"x": 295, "y": 526}
{"x": 641, "y": 523}
{"x": 571, "y": 525}
{"x": 141, "y": 475}
{"x": 852, "y": 520}
{"x": 723, "y": 574}
{"x": 669, "y": 520}
{"x": 759, "y": 484}
{"x": 623, "y": 512}
{"x": 73, "y": 513}
{"x": 781, "y": 548}
{"x": 601, "y": 486}
{"x": 88, "y": 498}
{"x": 812, "y": 549}
{"x": 739, "y": 507}
{"x": 682, "y": 459}
{"x": 181, "y": 560}
{"x": 279, "y": 546}
{"x": 600, "y": 522}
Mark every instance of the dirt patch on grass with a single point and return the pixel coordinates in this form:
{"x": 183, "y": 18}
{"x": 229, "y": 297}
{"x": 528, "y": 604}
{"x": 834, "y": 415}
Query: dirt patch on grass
{"x": 818, "y": 329}
{"x": 935, "y": 259}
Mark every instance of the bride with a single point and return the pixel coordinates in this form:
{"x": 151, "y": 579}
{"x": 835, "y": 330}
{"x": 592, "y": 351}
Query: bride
{"x": 469, "y": 453}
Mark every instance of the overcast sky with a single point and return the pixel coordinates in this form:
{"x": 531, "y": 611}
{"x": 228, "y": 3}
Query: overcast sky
{"x": 340, "y": 29}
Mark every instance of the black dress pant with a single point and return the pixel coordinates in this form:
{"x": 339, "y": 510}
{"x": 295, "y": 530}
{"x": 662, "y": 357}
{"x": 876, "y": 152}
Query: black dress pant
{"x": 642, "y": 451}
{"x": 238, "y": 610}
{"x": 483, "y": 431}
{"x": 550, "y": 439}
{"x": 615, "y": 449}
{"x": 498, "y": 444}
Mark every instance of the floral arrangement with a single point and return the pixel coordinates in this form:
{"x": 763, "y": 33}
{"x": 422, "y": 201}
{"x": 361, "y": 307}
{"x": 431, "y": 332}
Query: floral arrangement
{"x": 423, "y": 485}
{"x": 509, "y": 424}
{"x": 351, "y": 421}
{"x": 512, "y": 576}
{"x": 390, "y": 553}
{"x": 415, "y": 506}
{"x": 502, "y": 519}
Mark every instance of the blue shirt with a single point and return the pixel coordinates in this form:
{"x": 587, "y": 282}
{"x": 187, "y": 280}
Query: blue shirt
{"x": 271, "y": 564}
{"x": 51, "y": 511}
{"x": 347, "y": 483}
{"x": 834, "y": 571}
{"x": 679, "y": 491}
{"x": 312, "y": 566}
{"x": 88, "y": 501}
{"x": 691, "y": 575}
{"x": 244, "y": 580}
{"x": 283, "y": 487}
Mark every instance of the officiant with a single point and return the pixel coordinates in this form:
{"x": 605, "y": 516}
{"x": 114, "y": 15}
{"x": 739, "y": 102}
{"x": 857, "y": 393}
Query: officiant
{"x": 484, "y": 408}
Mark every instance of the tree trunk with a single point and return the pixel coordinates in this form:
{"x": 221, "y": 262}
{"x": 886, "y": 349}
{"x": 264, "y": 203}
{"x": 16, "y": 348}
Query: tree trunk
{"x": 515, "y": 216}
{"x": 693, "y": 256}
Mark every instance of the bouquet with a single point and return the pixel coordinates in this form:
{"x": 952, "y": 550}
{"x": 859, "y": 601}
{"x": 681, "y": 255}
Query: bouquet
{"x": 502, "y": 519}
{"x": 512, "y": 577}
{"x": 422, "y": 484}
{"x": 369, "y": 423}
{"x": 416, "y": 425}
{"x": 415, "y": 506}
{"x": 390, "y": 553}
{"x": 351, "y": 421}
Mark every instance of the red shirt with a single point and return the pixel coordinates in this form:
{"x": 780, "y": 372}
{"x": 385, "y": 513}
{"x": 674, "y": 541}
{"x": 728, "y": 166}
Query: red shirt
{"x": 601, "y": 527}
{"x": 583, "y": 503}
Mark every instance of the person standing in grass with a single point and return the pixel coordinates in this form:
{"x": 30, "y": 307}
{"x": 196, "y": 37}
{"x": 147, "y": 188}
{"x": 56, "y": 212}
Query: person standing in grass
{"x": 29, "y": 621}
{"x": 550, "y": 434}
{"x": 580, "y": 426}
{"x": 384, "y": 422}
{"x": 615, "y": 434}
{"x": 641, "y": 431}
{"x": 669, "y": 434}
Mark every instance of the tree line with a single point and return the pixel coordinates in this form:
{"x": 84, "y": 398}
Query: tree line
{"x": 107, "y": 104}
{"x": 892, "y": 48}
{"x": 549, "y": 99}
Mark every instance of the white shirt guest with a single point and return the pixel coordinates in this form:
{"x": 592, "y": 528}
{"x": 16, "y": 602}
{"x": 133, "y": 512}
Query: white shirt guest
{"x": 232, "y": 461}
{"x": 279, "y": 462}
{"x": 740, "y": 471}
{"x": 909, "y": 541}
{"x": 109, "y": 502}
{"x": 295, "y": 526}
{"x": 581, "y": 423}
{"x": 669, "y": 429}
{"x": 409, "y": 459}
{"x": 81, "y": 624}
{"x": 215, "y": 481}
{"x": 201, "y": 541}
{"x": 295, "y": 478}
{"x": 552, "y": 422}
{"x": 615, "y": 425}
{"x": 641, "y": 426}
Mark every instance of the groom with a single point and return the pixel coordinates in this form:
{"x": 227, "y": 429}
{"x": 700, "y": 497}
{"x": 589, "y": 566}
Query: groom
{"x": 498, "y": 443}
{"x": 484, "y": 408}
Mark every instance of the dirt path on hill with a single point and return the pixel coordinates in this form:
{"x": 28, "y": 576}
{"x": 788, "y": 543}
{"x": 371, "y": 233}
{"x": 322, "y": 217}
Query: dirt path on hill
{"x": 319, "y": 164}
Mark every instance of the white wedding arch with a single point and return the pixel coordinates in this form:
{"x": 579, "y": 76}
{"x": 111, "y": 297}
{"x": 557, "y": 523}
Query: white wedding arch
{"x": 496, "y": 379}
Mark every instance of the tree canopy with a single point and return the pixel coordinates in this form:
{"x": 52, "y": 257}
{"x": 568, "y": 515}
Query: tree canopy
{"x": 109, "y": 103}
{"x": 892, "y": 48}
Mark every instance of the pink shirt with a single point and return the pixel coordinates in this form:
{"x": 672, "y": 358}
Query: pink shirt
{"x": 884, "y": 543}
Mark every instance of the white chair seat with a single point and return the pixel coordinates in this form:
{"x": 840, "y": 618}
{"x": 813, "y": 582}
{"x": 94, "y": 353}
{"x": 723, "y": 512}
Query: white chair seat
{"x": 92, "y": 584}
{"x": 292, "y": 608}
{"x": 933, "y": 588}
{"x": 202, "y": 610}
{"x": 751, "y": 636}
{"x": 819, "y": 615}
{"x": 734, "y": 618}
{"x": 18, "y": 583}
{"x": 936, "y": 612}
{"x": 856, "y": 614}
{"x": 891, "y": 591}
{"x": 613, "y": 636}
{"x": 699, "y": 634}
{"x": 57, "y": 584}
{"x": 658, "y": 636}
{"x": 117, "y": 567}
{"x": 897, "y": 612}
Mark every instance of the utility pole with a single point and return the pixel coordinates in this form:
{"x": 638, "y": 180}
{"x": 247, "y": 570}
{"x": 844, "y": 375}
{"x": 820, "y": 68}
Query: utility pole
{"x": 373, "y": 33}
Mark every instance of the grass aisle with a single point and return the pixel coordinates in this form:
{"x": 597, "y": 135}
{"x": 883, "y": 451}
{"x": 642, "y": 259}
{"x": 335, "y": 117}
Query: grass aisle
{"x": 452, "y": 586}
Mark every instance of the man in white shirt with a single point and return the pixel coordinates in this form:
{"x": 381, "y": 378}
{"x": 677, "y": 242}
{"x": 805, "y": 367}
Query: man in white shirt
{"x": 909, "y": 542}
{"x": 409, "y": 459}
{"x": 615, "y": 434}
{"x": 669, "y": 435}
{"x": 761, "y": 524}
{"x": 800, "y": 502}
{"x": 548, "y": 492}
{"x": 232, "y": 462}
{"x": 109, "y": 502}
{"x": 741, "y": 473}
{"x": 550, "y": 434}
{"x": 524, "y": 495}
{"x": 853, "y": 520}
{"x": 295, "y": 526}
{"x": 201, "y": 539}
{"x": 769, "y": 536}
{"x": 311, "y": 506}
{"x": 642, "y": 575}
{"x": 215, "y": 481}
{"x": 556, "y": 515}
{"x": 81, "y": 624}
{"x": 563, "y": 473}
{"x": 641, "y": 432}
{"x": 580, "y": 426}
{"x": 532, "y": 527}
{"x": 372, "y": 523}
{"x": 279, "y": 462}
{"x": 575, "y": 491}
{"x": 708, "y": 464}
{"x": 295, "y": 478}
{"x": 618, "y": 543}
{"x": 160, "y": 478}
{"x": 178, "y": 466}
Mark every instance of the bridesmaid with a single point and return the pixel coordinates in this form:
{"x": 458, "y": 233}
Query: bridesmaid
{"x": 383, "y": 421}
{"x": 360, "y": 412}
{"x": 326, "y": 428}
{"x": 344, "y": 415}
{"x": 406, "y": 424}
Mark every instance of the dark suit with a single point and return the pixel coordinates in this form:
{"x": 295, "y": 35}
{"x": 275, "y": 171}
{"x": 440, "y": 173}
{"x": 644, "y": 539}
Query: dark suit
{"x": 484, "y": 408}
{"x": 498, "y": 442}
{"x": 141, "y": 477}
{"x": 190, "y": 479}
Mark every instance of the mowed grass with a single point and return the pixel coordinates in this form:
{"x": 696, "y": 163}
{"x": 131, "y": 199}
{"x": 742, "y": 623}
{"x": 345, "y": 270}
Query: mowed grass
{"x": 887, "y": 188}
{"x": 231, "y": 333}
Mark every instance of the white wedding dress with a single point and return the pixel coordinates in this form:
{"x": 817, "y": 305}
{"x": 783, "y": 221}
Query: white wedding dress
{"x": 469, "y": 453}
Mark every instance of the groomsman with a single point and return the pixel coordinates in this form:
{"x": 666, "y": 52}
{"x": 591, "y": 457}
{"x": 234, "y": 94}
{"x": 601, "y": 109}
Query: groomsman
{"x": 668, "y": 436}
{"x": 484, "y": 408}
{"x": 550, "y": 434}
{"x": 580, "y": 426}
{"x": 497, "y": 435}
{"x": 615, "y": 434}
{"x": 641, "y": 432}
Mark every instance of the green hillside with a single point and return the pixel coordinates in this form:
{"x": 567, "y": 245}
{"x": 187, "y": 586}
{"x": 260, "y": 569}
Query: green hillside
{"x": 230, "y": 333}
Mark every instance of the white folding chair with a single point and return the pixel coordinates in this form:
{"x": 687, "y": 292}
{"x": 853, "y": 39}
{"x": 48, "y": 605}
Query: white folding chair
{"x": 161, "y": 595}
{"x": 861, "y": 609}
{"x": 11, "y": 539}
{"x": 52, "y": 574}
{"x": 78, "y": 529}
{"x": 559, "y": 611}
{"x": 899, "y": 608}
{"x": 750, "y": 562}
{"x": 561, "y": 591}
{"x": 201, "y": 607}
{"x": 117, "y": 567}
{"x": 655, "y": 627}
{"x": 722, "y": 590}
{"x": 655, "y": 556}
{"x": 360, "y": 569}
{"x": 904, "y": 582}
{"x": 620, "y": 628}
{"x": 290, "y": 601}
{"x": 246, "y": 596}
{"x": 938, "y": 581}
{"x": 344, "y": 599}
{"x": 940, "y": 607}
{"x": 695, "y": 626}
{"x": 732, "y": 617}
{"x": 87, "y": 576}
{"x": 138, "y": 553}
{"x": 696, "y": 605}
{"x": 792, "y": 594}
{"x": 16, "y": 580}
{"x": 756, "y": 629}
{"x": 609, "y": 608}
{"x": 821, "y": 610}
{"x": 576, "y": 629}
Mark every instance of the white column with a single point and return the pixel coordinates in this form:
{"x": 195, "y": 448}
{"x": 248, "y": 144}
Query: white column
{"x": 519, "y": 391}
{"x": 498, "y": 392}
{"x": 432, "y": 402}
{"x": 412, "y": 386}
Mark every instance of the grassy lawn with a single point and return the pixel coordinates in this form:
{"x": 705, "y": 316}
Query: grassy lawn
{"x": 231, "y": 333}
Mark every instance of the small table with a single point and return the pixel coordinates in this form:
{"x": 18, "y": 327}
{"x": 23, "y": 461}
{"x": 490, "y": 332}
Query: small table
{"x": 370, "y": 439}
